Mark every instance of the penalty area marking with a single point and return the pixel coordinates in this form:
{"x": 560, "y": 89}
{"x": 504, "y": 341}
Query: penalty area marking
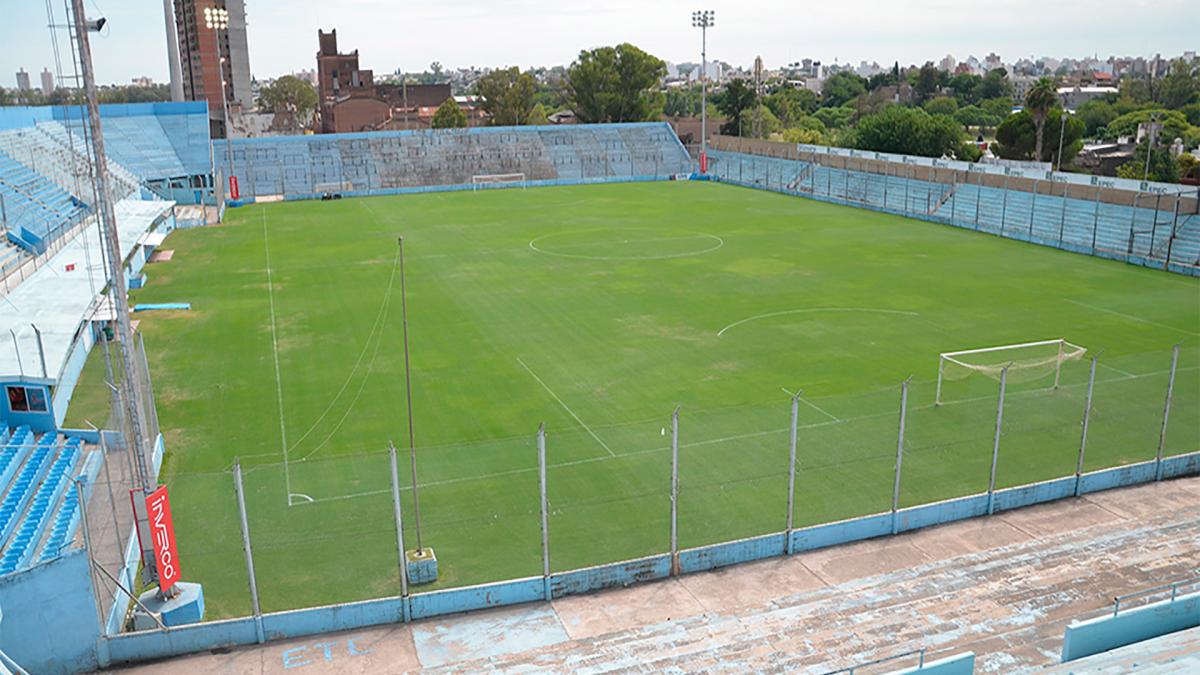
{"x": 292, "y": 496}
{"x": 698, "y": 235}
{"x": 566, "y": 407}
{"x": 785, "y": 312}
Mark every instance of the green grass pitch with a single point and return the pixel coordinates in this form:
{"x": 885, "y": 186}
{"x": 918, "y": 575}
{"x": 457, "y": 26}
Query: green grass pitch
{"x": 597, "y": 310}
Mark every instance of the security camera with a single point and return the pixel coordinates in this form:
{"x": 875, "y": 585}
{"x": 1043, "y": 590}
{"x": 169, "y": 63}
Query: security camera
{"x": 95, "y": 25}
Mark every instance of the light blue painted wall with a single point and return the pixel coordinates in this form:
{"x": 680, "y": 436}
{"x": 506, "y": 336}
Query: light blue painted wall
{"x": 616, "y": 575}
{"x": 731, "y": 553}
{"x": 1098, "y": 635}
{"x": 50, "y": 623}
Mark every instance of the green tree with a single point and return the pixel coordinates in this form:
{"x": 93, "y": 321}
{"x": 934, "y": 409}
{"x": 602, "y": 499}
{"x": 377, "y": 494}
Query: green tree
{"x": 1163, "y": 167}
{"x": 974, "y": 116}
{"x": 927, "y": 81}
{"x": 1181, "y": 86}
{"x": 942, "y": 105}
{"x": 449, "y": 116}
{"x": 616, "y": 84}
{"x": 539, "y": 115}
{"x": 733, "y": 102}
{"x": 909, "y": 131}
{"x": 1016, "y": 137}
{"x": 803, "y": 135}
{"x": 507, "y": 96}
{"x": 995, "y": 85}
{"x": 289, "y": 94}
{"x": 834, "y": 118}
{"x": 682, "y": 102}
{"x": 5, "y": 97}
{"x": 767, "y": 122}
{"x": 1175, "y": 125}
{"x": 998, "y": 107}
{"x": 790, "y": 104}
{"x": 1041, "y": 98}
{"x": 1191, "y": 112}
{"x": 966, "y": 88}
{"x": 1096, "y": 114}
{"x": 842, "y": 88}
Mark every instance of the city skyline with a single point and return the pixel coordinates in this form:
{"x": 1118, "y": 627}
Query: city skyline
{"x": 282, "y": 36}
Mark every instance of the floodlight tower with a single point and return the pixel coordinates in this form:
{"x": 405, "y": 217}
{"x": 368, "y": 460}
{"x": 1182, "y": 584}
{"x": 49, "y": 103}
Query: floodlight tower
{"x": 217, "y": 19}
{"x": 703, "y": 20}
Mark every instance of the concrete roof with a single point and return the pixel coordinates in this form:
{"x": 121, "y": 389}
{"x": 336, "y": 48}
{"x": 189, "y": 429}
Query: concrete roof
{"x": 56, "y": 297}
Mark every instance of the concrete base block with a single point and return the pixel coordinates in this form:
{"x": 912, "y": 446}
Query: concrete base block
{"x": 422, "y": 566}
{"x": 186, "y": 607}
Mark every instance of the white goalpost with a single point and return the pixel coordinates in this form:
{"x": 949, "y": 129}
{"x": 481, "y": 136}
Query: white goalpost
{"x": 1026, "y": 361}
{"x": 497, "y": 180}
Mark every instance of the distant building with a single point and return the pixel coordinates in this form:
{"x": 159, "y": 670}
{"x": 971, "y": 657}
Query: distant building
{"x": 1073, "y": 97}
{"x": 1021, "y": 86}
{"x": 142, "y": 81}
{"x": 350, "y": 99}
{"x": 23, "y": 80}
{"x": 215, "y": 58}
{"x": 47, "y": 82}
{"x": 947, "y": 64}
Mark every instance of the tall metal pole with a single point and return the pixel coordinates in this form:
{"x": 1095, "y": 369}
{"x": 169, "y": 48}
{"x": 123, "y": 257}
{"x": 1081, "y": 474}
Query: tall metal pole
{"x": 991, "y": 493}
{"x": 791, "y": 496}
{"x": 41, "y": 348}
{"x": 241, "y": 502}
{"x": 899, "y": 453}
{"x": 703, "y": 20}
{"x": 1087, "y": 416}
{"x": 398, "y": 514}
{"x": 412, "y": 444}
{"x": 1162, "y": 434}
{"x": 1150, "y": 146}
{"x": 545, "y": 505}
{"x": 1062, "y": 131}
{"x": 173, "y": 52}
{"x": 130, "y": 384}
{"x": 675, "y": 492}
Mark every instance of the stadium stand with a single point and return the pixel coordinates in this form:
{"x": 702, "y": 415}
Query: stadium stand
{"x": 307, "y": 166}
{"x": 1145, "y": 231}
{"x": 36, "y": 209}
{"x": 40, "y": 510}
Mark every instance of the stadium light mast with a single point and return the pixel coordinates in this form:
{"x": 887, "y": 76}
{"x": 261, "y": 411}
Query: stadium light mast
{"x": 703, "y": 20}
{"x": 217, "y": 19}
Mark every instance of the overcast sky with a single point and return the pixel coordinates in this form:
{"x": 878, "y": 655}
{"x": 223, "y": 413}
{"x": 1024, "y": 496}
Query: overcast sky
{"x": 410, "y": 35}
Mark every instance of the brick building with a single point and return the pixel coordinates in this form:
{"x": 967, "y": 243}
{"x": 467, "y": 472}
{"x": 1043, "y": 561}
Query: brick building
{"x": 350, "y": 100}
{"x": 215, "y": 59}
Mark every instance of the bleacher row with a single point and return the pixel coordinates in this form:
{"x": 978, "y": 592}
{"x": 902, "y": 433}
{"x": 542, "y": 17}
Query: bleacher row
{"x": 39, "y": 505}
{"x": 45, "y": 185}
{"x": 1139, "y": 235}
{"x": 310, "y": 165}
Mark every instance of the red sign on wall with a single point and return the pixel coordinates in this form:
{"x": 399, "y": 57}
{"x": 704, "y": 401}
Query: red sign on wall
{"x": 162, "y": 533}
{"x": 233, "y": 187}
{"x": 703, "y": 162}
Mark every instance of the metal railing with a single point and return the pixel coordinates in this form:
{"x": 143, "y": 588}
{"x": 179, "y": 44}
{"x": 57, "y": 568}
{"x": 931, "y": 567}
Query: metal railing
{"x": 1173, "y": 587}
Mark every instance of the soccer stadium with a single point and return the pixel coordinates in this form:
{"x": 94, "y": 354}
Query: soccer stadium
{"x": 586, "y": 398}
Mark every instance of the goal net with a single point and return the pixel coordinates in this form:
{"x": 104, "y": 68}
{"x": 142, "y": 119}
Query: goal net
{"x": 497, "y": 180}
{"x": 1026, "y": 362}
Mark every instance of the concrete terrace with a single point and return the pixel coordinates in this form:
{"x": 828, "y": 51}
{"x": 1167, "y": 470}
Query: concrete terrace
{"x": 1004, "y": 587}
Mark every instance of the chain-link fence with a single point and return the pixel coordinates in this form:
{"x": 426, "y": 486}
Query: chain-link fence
{"x": 322, "y": 530}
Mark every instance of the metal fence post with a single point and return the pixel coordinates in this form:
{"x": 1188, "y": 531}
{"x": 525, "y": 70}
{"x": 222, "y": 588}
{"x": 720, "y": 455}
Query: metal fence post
{"x": 1062, "y": 218}
{"x": 978, "y": 198}
{"x": 241, "y": 502}
{"x": 991, "y": 501}
{"x": 1033, "y": 208}
{"x": 1162, "y": 434}
{"x": 1087, "y": 416}
{"x": 397, "y": 514}
{"x": 541, "y": 450}
{"x": 675, "y": 492}
{"x": 899, "y": 455}
{"x": 791, "y": 496}
{"x": 1004, "y": 205}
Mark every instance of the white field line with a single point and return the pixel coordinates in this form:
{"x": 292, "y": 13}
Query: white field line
{"x": 726, "y": 439}
{"x": 1131, "y": 317}
{"x": 566, "y": 407}
{"x": 275, "y": 355}
{"x": 811, "y": 405}
{"x": 1115, "y": 369}
{"x": 768, "y": 315}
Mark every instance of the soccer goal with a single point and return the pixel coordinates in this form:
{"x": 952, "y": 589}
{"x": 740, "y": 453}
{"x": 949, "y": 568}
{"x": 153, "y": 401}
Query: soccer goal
{"x": 1025, "y": 362}
{"x": 497, "y": 180}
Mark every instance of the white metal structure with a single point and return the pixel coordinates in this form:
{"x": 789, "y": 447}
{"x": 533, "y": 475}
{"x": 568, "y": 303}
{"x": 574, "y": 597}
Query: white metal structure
{"x": 1033, "y": 359}
{"x": 500, "y": 179}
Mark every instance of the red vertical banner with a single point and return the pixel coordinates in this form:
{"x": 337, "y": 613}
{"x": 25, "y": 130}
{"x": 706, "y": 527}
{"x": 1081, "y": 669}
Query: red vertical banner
{"x": 233, "y": 187}
{"x": 166, "y": 555}
{"x": 703, "y": 162}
